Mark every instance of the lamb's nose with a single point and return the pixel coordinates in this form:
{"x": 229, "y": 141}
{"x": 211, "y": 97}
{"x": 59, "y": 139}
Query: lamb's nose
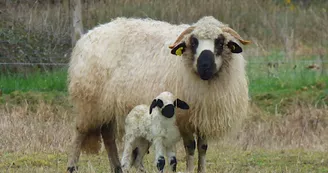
{"x": 168, "y": 111}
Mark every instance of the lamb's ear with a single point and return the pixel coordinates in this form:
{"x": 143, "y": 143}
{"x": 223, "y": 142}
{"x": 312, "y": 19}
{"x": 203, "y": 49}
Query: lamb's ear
{"x": 152, "y": 106}
{"x": 179, "y": 49}
{"x": 181, "y": 104}
{"x": 234, "y": 47}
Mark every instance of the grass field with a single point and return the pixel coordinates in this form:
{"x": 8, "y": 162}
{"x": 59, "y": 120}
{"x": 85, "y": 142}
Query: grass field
{"x": 287, "y": 125}
{"x": 285, "y": 131}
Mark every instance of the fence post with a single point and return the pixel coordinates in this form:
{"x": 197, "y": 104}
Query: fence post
{"x": 77, "y": 21}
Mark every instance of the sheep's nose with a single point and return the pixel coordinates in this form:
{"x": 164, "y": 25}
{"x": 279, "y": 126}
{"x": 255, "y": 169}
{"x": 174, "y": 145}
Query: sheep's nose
{"x": 168, "y": 111}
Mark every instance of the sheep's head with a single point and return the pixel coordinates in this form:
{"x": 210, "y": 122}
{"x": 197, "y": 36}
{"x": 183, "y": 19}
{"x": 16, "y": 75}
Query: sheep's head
{"x": 207, "y": 46}
{"x": 166, "y": 103}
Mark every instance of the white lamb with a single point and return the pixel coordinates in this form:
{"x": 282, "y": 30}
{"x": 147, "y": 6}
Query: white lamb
{"x": 154, "y": 124}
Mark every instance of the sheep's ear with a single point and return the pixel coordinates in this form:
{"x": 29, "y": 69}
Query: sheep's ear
{"x": 234, "y": 47}
{"x": 152, "y": 106}
{"x": 181, "y": 104}
{"x": 179, "y": 49}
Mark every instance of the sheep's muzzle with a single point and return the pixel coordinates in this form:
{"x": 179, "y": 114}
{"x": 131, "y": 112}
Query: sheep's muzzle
{"x": 206, "y": 65}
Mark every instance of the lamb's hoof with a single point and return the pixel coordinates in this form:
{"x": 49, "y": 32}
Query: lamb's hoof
{"x": 160, "y": 163}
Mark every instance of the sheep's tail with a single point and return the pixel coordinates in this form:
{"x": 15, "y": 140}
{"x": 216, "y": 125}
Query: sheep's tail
{"x": 92, "y": 142}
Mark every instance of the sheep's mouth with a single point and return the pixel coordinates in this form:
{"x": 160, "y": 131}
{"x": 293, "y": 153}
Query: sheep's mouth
{"x": 206, "y": 75}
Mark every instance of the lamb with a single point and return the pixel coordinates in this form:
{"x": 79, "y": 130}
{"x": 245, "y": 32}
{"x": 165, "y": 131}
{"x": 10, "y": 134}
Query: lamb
{"x": 154, "y": 124}
{"x": 113, "y": 63}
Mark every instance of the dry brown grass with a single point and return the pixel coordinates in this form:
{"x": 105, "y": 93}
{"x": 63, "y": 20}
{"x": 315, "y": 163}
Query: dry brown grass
{"x": 303, "y": 126}
{"x": 37, "y": 127}
{"x": 35, "y": 137}
{"x": 269, "y": 24}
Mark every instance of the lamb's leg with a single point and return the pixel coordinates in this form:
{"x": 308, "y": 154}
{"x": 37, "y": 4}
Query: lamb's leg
{"x": 75, "y": 150}
{"x": 172, "y": 158}
{"x": 202, "y": 148}
{"x": 127, "y": 157}
{"x": 143, "y": 149}
{"x": 108, "y": 135}
{"x": 190, "y": 146}
{"x": 159, "y": 149}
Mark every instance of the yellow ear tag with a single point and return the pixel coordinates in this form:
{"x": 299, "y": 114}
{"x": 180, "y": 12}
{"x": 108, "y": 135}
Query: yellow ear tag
{"x": 179, "y": 51}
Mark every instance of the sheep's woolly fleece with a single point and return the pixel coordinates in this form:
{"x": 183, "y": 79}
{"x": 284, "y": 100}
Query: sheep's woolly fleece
{"x": 125, "y": 62}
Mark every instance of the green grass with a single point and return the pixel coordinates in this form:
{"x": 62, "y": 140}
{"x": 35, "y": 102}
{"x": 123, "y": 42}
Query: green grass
{"x": 269, "y": 88}
{"x": 37, "y": 81}
{"x": 219, "y": 160}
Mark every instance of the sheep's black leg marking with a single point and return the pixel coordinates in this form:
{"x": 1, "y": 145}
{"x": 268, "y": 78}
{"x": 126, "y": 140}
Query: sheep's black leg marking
{"x": 75, "y": 150}
{"x": 160, "y": 163}
{"x": 173, "y": 164}
{"x": 108, "y": 135}
{"x": 190, "y": 146}
{"x": 72, "y": 169}
{"x": 202, "y": 148}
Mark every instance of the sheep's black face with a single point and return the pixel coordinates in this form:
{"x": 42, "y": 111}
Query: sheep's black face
{"x": 207, "y": 54}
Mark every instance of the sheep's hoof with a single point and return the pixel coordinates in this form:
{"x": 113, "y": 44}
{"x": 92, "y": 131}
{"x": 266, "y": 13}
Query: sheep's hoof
{"x": 72, "y": 169}
{"x": 118, "y": 169}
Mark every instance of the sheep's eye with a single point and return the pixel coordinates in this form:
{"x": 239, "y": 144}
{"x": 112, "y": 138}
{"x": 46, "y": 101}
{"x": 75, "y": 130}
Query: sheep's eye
{"x": 193, "y": 44}
{"x": 219, "y": 45}
{"x": 218, "y": 42}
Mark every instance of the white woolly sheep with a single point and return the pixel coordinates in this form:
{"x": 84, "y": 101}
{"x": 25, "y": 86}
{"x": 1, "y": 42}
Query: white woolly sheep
{"x": 154, "y": 124}
{"x": 113, "y": 63}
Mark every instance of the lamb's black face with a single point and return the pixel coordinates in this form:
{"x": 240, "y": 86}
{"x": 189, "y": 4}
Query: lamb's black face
{"x": 168, "y": 110}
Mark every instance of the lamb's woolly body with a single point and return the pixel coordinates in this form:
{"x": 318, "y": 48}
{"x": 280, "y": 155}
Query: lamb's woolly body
{"x": 113, "y": 61}
{"x": 149, "y": 126}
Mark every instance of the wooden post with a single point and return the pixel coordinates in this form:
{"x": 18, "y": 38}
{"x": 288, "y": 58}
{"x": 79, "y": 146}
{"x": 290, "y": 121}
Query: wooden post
{"x": 77, "y": 21}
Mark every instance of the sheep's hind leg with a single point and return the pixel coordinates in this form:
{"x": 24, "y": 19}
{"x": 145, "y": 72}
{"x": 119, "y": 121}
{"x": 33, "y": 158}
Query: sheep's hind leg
{"x": 108, "y": 135}
{"x": 75, "y": 150}
{"x": 202, "y": 148}
{"x": 190, "y": 146}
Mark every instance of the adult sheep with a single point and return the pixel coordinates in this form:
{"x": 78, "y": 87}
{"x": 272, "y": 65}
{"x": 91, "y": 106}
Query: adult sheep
{"x": 125, "y": 62}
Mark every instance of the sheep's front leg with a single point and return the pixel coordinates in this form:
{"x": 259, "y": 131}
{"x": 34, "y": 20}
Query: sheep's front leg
{"x": 172, "y": 158}
{"x": 202, "y": 148}
{"x": 190, "y": 146}
{"x": 159, "y": 149}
